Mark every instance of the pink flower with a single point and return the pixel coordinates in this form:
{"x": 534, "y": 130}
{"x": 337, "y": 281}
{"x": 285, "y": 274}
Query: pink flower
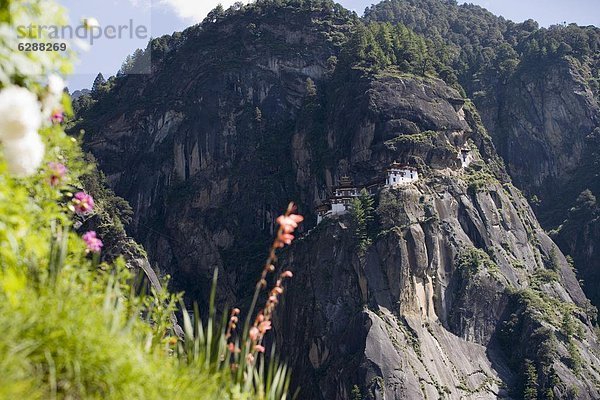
{"x": 232, "y": 348}
{"x": 57, "y": 171}
{"x": 288, "y": 224}
{"x": 277, "y": 290}
{"x": 253, "y": 333}
{"x": 264, "y": 326}
{"x": 57, "y": 117}
{"x": 83, "y": 203}
{"x": 286, "y": 238}
{"x": 94, "y": 245}
{"x": 259, "y": 348}
{"x": 287, "y": 274}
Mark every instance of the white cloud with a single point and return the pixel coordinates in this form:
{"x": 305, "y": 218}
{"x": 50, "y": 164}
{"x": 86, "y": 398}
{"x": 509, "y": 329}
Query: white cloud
{"x": 195, "y": 10}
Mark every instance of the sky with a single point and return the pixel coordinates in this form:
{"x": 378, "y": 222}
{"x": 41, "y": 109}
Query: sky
{"x": 154, "y": 18}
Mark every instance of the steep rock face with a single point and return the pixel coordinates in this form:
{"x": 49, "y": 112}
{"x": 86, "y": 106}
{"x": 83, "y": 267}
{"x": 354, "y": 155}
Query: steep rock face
{"x": 458, "y": 269}
{"x": 578, "y": 235}
{"x": 541, "y": 120}
{"x": 546, "y": 124}
{"x": 203, "y": 159}
{"x": 584, "y": 245}
{"x": 411, "y": 318}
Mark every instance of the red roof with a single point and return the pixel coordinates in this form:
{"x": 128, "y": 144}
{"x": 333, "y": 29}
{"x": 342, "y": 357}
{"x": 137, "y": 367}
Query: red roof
{"x": 401, "y": 166}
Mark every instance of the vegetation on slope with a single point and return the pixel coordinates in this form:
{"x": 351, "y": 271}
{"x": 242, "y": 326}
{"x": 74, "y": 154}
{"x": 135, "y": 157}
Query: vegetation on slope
{"x": 72, "y": 323}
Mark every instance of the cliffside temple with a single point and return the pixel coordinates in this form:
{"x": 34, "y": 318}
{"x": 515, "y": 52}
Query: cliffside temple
{"x": 397, "y": 174}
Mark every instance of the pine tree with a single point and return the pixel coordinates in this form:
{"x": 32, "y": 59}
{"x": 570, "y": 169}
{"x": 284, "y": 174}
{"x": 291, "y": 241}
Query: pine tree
{"x": 363, "y": 212}
{"x": 567, "y": 326}
{"x": 215, "y": 14}
{"x": 98, "y": 82}
{"x": 311, "y": 88}
{"x": 384, "y": 38}
{"x": 530, "y": 391}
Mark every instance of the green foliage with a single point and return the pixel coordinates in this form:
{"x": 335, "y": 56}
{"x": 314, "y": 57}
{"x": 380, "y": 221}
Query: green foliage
{"x": 363, "y": 214}
{"x": 575, "y": 362}
{"x": 138, "y": 62}
{"x": 532, "y": 348}
{"x": 479, "y": 179}
{"x": 541, "y": 305}
{"x": 569, "y": 330}
{"x": 471, "y": 261}
{"x": 73, "y": 327}
{"x": 311, "y": 88}
{"x": 26, "y": 67}
{"x": 474, "y": 43}
{"x": 377, "y": 46}
{"x": 544, "y": 276}
{"x": 411, "y": 140}
{"x": 550, "y": 273}
{"x": 530, "y": 390}
{"x": 355, "y": 394}
{"x": 99, "y": 82}
{"x": 553, "y": 262}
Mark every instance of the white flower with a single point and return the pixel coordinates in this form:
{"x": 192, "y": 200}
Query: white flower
{"x": 20, "y": 113}
{"x": 24, "y": 156}
{"x": 56, "y": 85}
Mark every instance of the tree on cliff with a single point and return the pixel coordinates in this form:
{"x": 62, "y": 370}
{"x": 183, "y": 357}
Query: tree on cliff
{"x": 98, "y": 82}
{"x": 363, "y": 213}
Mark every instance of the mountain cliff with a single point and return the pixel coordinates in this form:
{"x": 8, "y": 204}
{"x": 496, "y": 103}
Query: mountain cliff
{"x": 537, "y": 90}
{"x": 453, "y": 290}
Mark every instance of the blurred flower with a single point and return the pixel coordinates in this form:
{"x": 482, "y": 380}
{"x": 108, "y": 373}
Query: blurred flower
{"x": 262, "y": 323}
{"x": 57, "y": 117}
{"x": 52, "y": 99}
{"x": 94, "y": 245}
{"x": 20, "y": 113}
{"x": 288, "y": 224}
{"x": 264, "y": 326}
{"x": 286, "y": 238}
{"x": 277, "y": 290}
{"x": 233, "y": 321}
{"x": 253, "y": 333}
{"x": 56, "y": 85}
{"x": 90, "y": 23}
{"x": 57, "y": 173}
{"x": 24, "y": 156}
{"x": 83, "y": 203}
